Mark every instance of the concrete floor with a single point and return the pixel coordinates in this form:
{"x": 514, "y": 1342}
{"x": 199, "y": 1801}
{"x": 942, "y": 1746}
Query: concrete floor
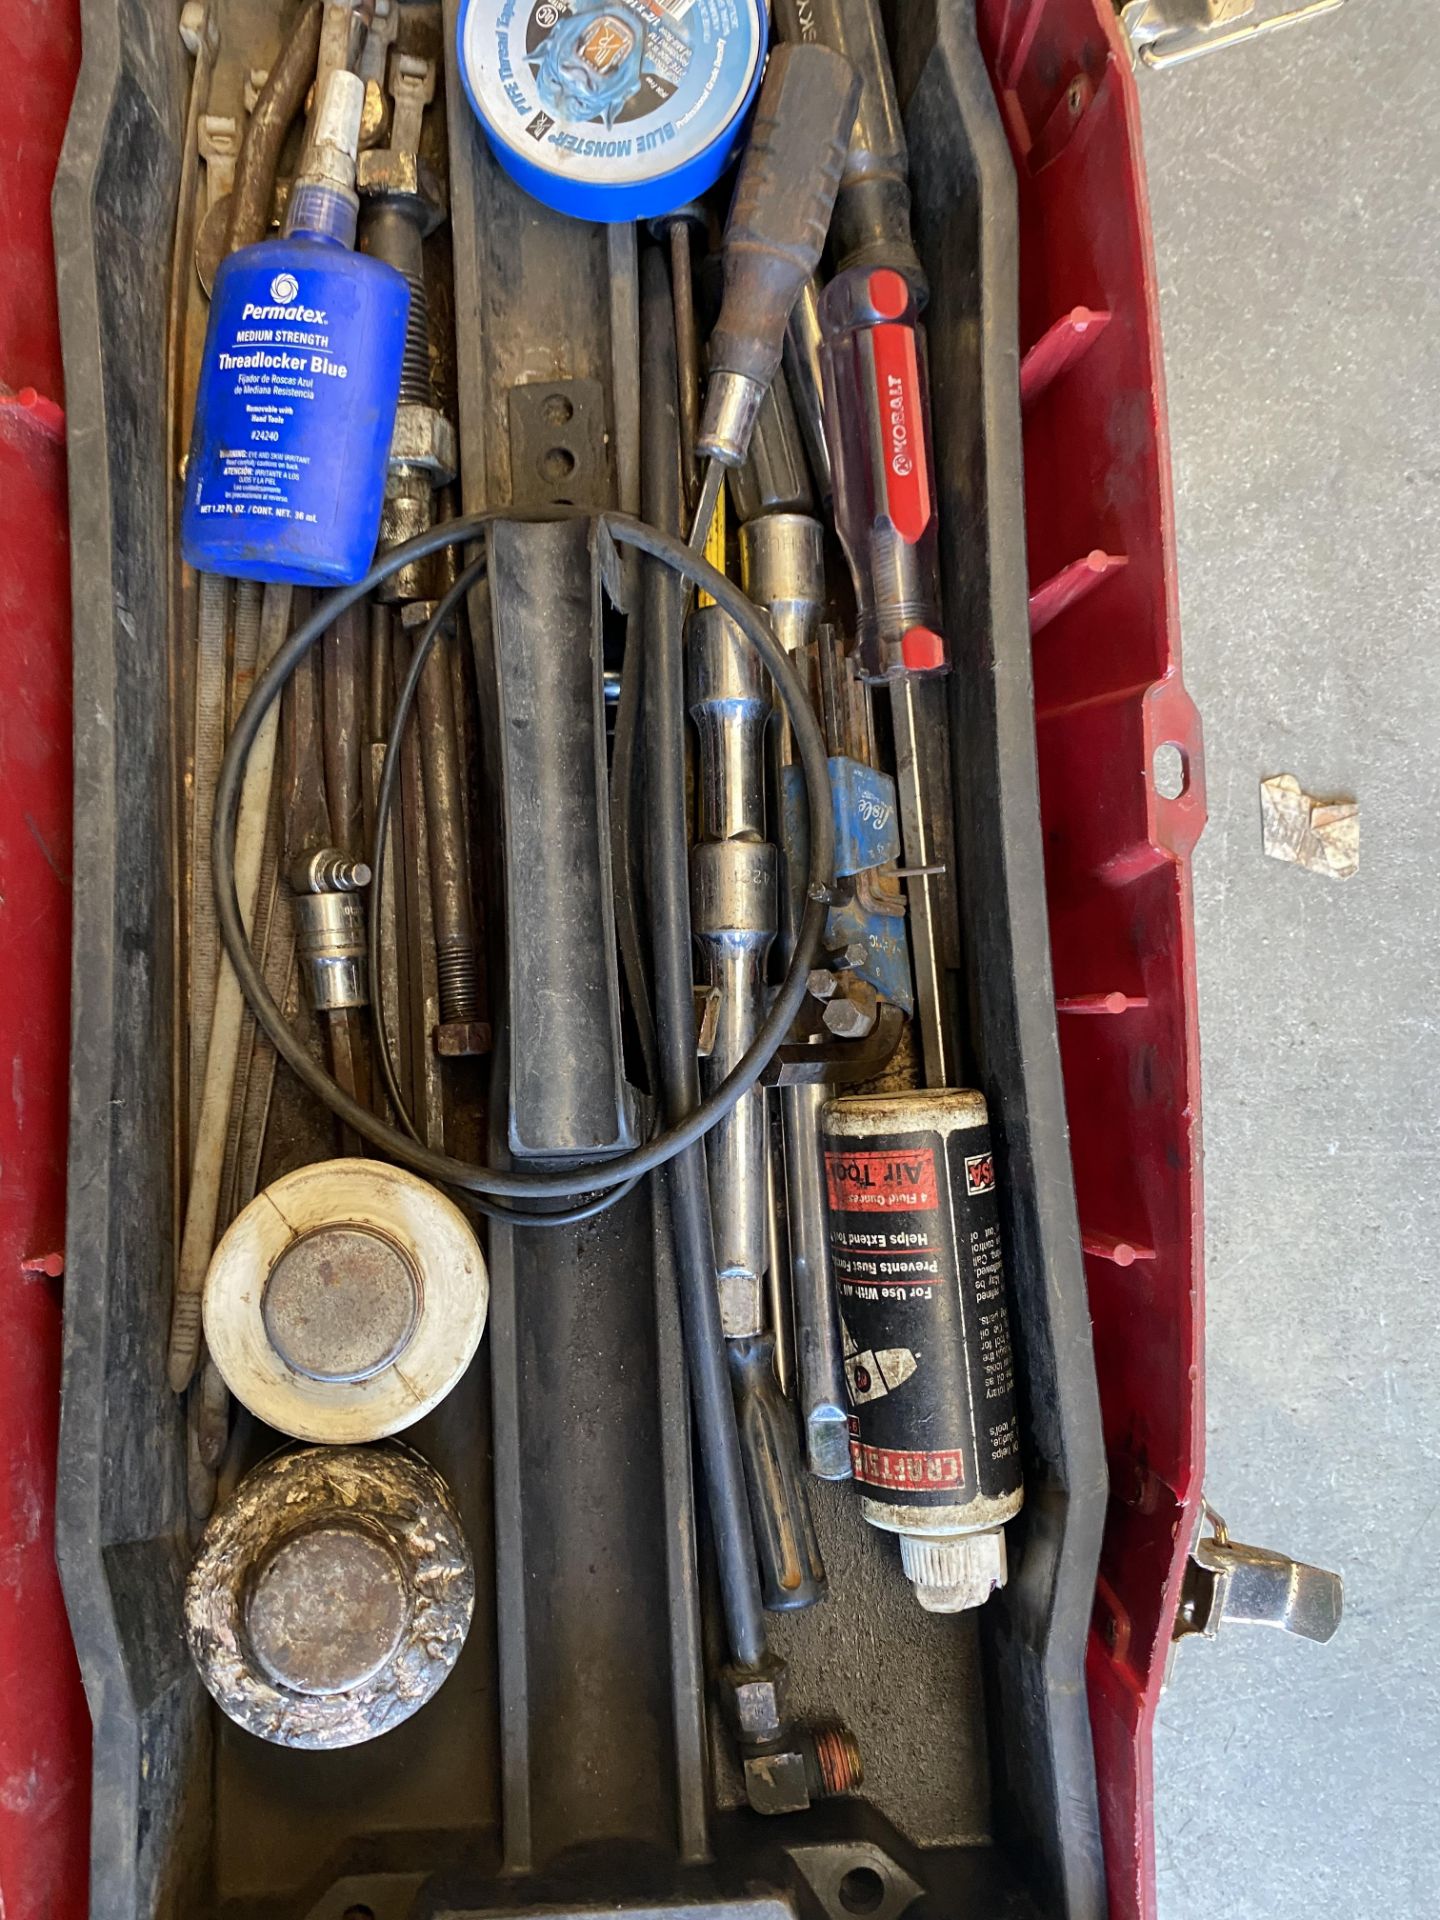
{"x": 1295, "y": 188}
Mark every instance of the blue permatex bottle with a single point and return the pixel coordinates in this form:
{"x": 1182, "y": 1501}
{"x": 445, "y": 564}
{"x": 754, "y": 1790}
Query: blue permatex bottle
{"x": 298, "y": 388}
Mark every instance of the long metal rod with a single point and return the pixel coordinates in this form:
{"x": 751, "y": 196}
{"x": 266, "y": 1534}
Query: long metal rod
{"x": 197, "y": 1240}
{"x": 819, "y": 1361}
{"x": 907, "y": 695}
{"x": 687, "y": 348}
{"x": 209, "y": 750}
{"x": 422, "y": 968}
{"x": 452, "y": 910}
{"x": 663, "y": 605}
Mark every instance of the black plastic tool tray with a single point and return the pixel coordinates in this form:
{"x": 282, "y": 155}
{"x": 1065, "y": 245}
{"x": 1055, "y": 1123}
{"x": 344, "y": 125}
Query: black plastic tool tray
{"x": 981, "y": 1781}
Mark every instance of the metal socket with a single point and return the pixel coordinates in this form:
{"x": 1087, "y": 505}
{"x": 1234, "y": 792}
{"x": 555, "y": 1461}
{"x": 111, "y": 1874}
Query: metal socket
{"x": 330, "y": 940}
{"x": 782, "y": 568}
{"x": 729, "y": 700}
{"x": 733, "y": 914}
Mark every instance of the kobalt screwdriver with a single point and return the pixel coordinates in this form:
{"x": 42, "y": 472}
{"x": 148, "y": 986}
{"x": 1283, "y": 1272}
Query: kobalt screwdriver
{"x": 777, "y": 225}
{"x": 877, "y": 430}
{"x": 910, "y": 1177}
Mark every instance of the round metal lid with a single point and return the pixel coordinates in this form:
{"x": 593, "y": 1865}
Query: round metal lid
{"x": 331, "y": 1595}
{"x": 326, "y": 1610}
{"x": 341, "y": 1303}
{"x": 345, "y": 1301}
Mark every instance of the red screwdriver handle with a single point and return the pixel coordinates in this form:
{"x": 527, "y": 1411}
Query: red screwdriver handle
{"x": 877, "y": 425}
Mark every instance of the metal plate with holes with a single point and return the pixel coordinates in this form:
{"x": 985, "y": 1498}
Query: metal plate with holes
{"x": 857, "y": 1877}
{"x": 558, "y": 446}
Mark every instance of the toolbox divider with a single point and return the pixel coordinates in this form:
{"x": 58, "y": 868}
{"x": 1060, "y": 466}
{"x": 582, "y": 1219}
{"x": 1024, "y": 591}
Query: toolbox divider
{"x": 120, "y": 1519}
{"x": 1036, "y": 1627}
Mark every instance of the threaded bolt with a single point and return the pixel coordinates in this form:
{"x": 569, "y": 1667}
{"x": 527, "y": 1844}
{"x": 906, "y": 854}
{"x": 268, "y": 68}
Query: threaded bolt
{"x": 838, "y": 1766}
{"x": 457, "y": 967}
{"x": 417, "y": 388}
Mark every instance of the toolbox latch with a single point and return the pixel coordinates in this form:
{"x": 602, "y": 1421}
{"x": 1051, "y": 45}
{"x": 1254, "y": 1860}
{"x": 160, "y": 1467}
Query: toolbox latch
{"x": 1163, "y": 33}
{"x": 1255, "y": 1586}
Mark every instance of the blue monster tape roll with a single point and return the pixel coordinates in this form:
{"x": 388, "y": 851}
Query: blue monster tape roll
{"x": 612, "y": 109}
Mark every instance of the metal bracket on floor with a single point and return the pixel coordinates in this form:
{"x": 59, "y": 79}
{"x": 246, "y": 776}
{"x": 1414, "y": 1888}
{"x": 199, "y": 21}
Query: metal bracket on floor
{"x": 1226, "y": 1581}
{"x": 855, "y": 1876}
{"x": 1165, "y": 33}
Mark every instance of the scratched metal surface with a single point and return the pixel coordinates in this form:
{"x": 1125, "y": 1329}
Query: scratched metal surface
{"x": 1295, "y": 189}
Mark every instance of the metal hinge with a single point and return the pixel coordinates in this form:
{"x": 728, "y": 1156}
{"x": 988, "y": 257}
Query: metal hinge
{"x": 1163, "y": 33}
{"x": 1226, "y": 1581}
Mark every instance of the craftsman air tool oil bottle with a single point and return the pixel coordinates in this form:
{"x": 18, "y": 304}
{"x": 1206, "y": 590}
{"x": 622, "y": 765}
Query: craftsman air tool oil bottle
{"x": 915, "y": 1249}
{"x": 299, "y": 383}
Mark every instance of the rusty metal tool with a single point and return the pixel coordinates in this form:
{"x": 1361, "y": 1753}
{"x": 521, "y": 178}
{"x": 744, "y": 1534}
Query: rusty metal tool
{"x": 198, "y": 1234}
{"x": 403, "y": 205}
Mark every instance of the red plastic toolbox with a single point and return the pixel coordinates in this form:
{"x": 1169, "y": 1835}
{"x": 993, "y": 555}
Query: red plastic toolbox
{"x": 44, "y": 1729}
{"x": 1122, "y": 800}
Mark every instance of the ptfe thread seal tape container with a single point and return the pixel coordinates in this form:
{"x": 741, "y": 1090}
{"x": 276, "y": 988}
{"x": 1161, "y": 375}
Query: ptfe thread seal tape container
{"x": 345, "y": 1301}
{"x": 612, "y": 109}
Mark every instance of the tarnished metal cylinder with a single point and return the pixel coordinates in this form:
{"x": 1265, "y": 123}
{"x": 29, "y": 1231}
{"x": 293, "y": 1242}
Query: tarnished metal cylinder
{"x": 732, "y": 888}
{"x": 330, "y": 938}
{"x": 782, "y": 568}
{"x": 457, "y": 954}
{"x": 773, "y": 477}
{"x": 409, "y": 510}
{"x": 331, "y": 1595}
{"x": 393, "y": 234}
{"x": 729, "y": 700}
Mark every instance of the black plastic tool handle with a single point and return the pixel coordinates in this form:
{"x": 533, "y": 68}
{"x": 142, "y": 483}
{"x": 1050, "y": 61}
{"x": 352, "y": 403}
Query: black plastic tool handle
{"x": 792, "y": 1572}
{"x": 782, "y": 205}
{"x": 872, "y": 210}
